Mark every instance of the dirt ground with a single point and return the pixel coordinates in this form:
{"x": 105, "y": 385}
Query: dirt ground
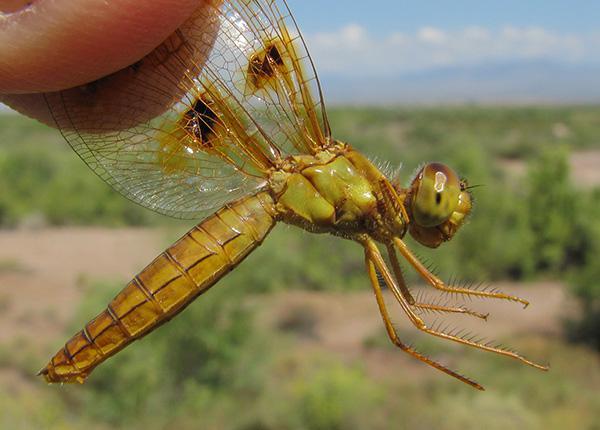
{"x": 585, "y": 166}
{"x": 585, "y": 172}
{"x": 41, "y": 273}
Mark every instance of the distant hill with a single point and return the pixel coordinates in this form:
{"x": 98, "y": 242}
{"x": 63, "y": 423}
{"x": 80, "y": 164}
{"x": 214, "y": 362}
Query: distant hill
{"x": 506, "y": 83}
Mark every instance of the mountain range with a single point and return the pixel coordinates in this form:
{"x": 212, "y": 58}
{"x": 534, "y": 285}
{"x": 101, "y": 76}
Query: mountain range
{"x": 531, "y": 82}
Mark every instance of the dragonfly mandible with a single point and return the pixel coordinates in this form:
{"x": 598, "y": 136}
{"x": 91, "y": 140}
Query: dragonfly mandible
{"x": 225, "y": 121}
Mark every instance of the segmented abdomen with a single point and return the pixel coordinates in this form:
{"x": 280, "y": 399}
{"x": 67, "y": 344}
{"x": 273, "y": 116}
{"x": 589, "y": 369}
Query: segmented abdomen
{"x": 164, "y": 288}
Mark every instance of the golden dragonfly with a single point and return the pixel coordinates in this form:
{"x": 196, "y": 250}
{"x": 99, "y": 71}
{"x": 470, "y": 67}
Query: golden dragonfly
{"x": 226, "y": 120}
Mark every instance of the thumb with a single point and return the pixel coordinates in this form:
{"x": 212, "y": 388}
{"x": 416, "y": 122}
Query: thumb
{"x": 51, "y": 45}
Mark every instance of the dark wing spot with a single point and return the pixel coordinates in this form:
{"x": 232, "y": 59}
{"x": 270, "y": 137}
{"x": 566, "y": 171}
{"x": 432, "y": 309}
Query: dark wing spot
{"x": 201, "y": 122}
{"x": 274, "y": 56}
{"x": 200, "y": 129}
{"x": 438, "y": 198}
{"x": 263, "y": 66}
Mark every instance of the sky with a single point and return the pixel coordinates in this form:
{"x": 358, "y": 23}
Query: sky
{"x": 398, "y": 36}
{"x": 381, "y": 16}
{"x": 544, "y": 41}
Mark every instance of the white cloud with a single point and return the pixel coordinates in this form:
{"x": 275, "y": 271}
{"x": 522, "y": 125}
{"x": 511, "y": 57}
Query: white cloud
{"x": 432, "y": 36}
{"x": 353, "y": 51}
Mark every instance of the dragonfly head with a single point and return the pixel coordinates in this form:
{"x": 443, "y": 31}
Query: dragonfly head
{"x": 438, "y": 203}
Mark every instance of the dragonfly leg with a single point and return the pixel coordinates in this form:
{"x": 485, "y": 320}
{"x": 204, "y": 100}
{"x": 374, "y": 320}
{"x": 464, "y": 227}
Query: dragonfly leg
{"x": 437, "y": 283}
{"x": 428, "y": 307}
{"x": 391, "y": 331}
{"x": 399, "y": 276}
{"x": 376, "y": 258}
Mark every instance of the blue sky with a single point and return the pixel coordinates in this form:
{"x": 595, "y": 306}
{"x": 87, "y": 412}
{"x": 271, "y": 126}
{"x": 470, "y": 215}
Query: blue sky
{"x": 381, "y": 16}
{"x": 397, "y": 36}
{"x": 530, "y": 50}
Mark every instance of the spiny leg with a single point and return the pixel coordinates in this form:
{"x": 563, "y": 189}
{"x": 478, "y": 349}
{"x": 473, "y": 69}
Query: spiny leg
{"x": 375, "y": 256}
{"x": 430, "y": 307}
{"x": 435, "y": 307}
{"x": 391, "y": 331}
{"x": 437, "y": 283}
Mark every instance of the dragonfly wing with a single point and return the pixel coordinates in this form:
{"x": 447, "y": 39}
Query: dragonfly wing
{"x": 278, "y": 81}
{"x": 200, "y": 120}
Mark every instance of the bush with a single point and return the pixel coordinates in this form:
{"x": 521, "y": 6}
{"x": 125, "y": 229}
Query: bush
{"x": 553, "y": 212}
{"x": 41, "y": 177}
{"x": 586, "y": 281}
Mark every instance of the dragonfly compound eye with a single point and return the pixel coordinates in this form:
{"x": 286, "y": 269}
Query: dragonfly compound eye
{"x": 436, "y": 195}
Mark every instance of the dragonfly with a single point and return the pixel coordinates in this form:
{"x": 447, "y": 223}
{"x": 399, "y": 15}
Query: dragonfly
{"x": 225, "y": 122}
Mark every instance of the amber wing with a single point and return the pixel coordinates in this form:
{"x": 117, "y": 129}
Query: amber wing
{"x": 199, "y": 121}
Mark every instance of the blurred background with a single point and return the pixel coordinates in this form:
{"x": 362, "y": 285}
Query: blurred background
{"x": 507, "y": 93}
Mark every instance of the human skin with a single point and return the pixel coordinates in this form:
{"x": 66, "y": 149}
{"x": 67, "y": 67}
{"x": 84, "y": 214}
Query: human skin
{"x": 56, "y": 44}
{"x": 52, "y": 45}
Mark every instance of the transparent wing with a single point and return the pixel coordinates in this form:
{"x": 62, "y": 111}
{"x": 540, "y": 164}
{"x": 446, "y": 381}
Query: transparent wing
{"x": 202, "y": 119}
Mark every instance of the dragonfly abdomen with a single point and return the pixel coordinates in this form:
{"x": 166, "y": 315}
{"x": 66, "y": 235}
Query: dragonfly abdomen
{"x": 164, "y": 288}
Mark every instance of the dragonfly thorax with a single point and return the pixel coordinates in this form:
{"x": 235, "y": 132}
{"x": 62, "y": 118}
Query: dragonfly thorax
{"x": 325, "y": 191}
{"x": 338, "y": 191}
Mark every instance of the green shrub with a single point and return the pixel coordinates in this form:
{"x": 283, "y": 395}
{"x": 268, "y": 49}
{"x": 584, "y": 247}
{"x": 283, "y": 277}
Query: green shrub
{"x": 41, "y": 177}
{"x": 553, "y": 212}
{"x": 586, "y": 280}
